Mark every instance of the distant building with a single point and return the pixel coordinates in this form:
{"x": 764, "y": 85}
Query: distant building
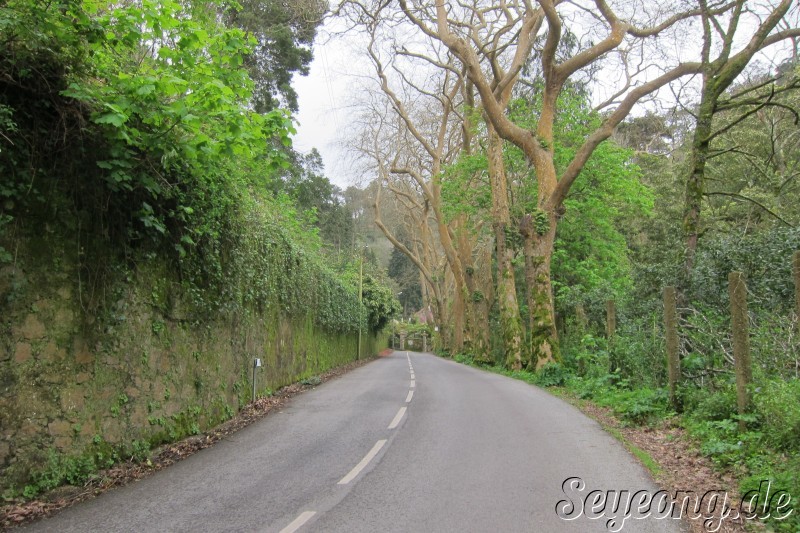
{"x": 424, "y": 315}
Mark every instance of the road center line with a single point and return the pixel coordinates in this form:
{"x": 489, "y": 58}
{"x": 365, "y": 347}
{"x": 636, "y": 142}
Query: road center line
{"x": 410, "y": 395}
{"x": 364, "y": 462}
{"x": 397, "y": 418}
{"x": 298, "y": 522}
{"x": 413, "y": 383}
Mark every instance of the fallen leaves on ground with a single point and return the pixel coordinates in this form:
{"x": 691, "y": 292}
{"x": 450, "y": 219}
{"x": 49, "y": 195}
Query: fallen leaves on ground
{"x": 682, "y": 467}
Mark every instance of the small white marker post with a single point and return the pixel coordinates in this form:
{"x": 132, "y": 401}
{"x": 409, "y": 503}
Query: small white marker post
{"x": 256, "y": 364}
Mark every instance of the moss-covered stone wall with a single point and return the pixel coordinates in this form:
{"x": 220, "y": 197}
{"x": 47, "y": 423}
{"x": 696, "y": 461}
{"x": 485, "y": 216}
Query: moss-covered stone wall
{"x": 137, "y": 370}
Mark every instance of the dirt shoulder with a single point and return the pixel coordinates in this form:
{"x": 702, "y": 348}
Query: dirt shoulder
{"x": 675, "y": 463}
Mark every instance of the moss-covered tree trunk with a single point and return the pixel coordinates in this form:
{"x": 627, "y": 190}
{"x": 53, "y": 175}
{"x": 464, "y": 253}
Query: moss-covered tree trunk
{"x": 458, "y": 311}
{"x": 444, "y": 331}
{"x": 581, "y": 326}
{"x": 506, "y": 284}
{"x": 462, "y": 311}
{"x": 538, "y": 237}
{"x": 611, "y": 320}
{"x": 475, "y": 299}
{"x": 526, "y": 229}
{"x": 695, "y": 186}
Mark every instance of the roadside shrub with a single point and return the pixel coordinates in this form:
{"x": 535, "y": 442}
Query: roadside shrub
{"x": 638, "y": 352}
{"x": 552, "y": 375}
{"x": 775, "y": 342}
{"x": 784, "y": 474}
{"x": 72, "y": 470}
{"x": 711, "y": 404}
{"x": 639, "y": 406}
{"x": 777, "y": 404}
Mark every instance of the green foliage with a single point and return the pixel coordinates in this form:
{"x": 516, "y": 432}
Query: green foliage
{"x": 59, "y": 469}
{"x": 269, "y": 262}
{"x": 181, "y": 106}
{"x": 642, "y": 405}
{"x": 766, "y": 450}
{"x": 179, "y": 165}
{"x": 719, "y": 405}
{"x": 380, "y": 303}
{"x": 777, "y": 405}
{"x": 403, "y": 272}
{"x": 465, "y": 187}
{"x": 784, "y": 473}
{"x": 312, "y": 381}
{"x": 160, "y": 140}
{"x": 541, "y": 223}
{"x": 322, "y": 205}
{"x": 591, "y": 261}
{"x": 284, "y": 33}
{"x": 552, "y": 375}
{"x": 765, "y": 258}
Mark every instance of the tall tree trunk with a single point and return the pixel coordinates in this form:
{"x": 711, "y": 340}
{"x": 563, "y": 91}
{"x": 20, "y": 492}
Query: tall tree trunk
{"x": 461, "y": 332}
{"x": 475, "y": 298}
{"x": 695, "y": 185}
{"x": 538, "y": 234}
{"x": 454, "y": 262}
{"x": 506, "y": 285}
{"x": 544, "y": 337}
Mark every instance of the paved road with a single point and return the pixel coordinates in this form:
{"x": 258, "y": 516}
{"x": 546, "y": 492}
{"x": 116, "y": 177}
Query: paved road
{"x": 408, "y": 443}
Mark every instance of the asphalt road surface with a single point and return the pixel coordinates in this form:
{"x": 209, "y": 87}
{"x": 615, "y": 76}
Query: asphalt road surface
{"x": 408, "y": 443}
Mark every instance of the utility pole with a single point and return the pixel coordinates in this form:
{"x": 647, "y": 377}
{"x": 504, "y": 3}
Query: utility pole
{"x": 361, "y": 295}
{"x": 360, "y": 299}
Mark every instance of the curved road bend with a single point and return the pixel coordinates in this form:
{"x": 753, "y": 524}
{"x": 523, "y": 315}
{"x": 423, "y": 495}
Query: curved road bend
{"x": 408, "y": 443}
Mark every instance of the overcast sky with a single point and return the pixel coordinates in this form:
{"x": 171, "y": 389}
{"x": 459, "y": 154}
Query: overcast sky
{"x": 322, "y": 97}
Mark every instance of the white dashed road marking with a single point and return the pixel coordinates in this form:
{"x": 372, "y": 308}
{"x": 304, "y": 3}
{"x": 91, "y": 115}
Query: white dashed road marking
{"x": 397, "y": 418}
{"x": 298, "y": 522}
{"x": 364, "y": 462}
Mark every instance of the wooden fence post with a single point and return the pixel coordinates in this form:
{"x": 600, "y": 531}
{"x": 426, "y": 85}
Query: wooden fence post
{"x": 582, "y": 323}
{"x": 611, "y": 319}
{"x": 671, "y": 331}
{"x": 797, "y": 284}
{"x": 611, "y": 330}
{"x": 740, "y": 329}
